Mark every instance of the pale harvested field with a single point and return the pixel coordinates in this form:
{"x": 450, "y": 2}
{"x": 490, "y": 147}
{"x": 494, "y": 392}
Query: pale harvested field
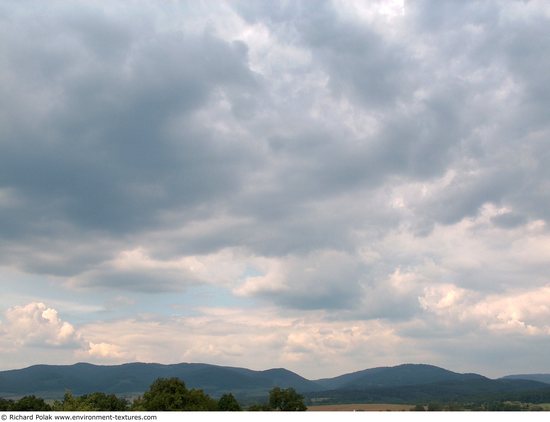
{"x": 372, "y": 407}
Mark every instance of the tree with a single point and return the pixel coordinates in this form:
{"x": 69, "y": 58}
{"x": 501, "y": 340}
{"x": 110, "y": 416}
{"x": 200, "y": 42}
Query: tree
{"x": 228, "y": 403}
{"x": 172, "y": 394}
{"x": 69, "y": 403}
{"x": 165, "y": 394}
{"x": 104, "y": 402}
{"x": 199, "y": 401}
{"x": 91, "y": 402}
{"x": 5, "y": 405}
{"x": 29, "y": 403}
{"x": 286, "y": 400}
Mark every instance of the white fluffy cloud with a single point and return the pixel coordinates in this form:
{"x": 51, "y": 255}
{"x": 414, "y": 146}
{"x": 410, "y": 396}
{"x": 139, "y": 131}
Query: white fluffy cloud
{"x": 37, "y": 325}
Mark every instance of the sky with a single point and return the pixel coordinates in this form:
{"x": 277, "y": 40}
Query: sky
{"x": 323, "y": 186}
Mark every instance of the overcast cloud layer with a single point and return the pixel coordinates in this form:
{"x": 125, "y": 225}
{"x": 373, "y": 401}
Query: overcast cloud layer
{"x": 325, "y": 186}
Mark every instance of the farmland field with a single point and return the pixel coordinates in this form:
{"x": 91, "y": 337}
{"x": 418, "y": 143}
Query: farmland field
{"x": 372, "y": 407}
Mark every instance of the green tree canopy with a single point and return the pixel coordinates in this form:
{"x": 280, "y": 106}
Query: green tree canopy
{"x": 106, "y": 402}
{"x": 91, "y": 402}
{"x": 5, "y": 404}
{"x": 30, "y": 403}
{"x": 69, "y": 403}
{"x": 172, "y": 394}
{"x": 227, "y": 402}
{"x": 286, "y": 399}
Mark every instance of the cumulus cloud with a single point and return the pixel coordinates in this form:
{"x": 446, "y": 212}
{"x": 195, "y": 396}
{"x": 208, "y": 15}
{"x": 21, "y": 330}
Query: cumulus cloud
{"x": 523, "y": 312}
{"x": 105, "y": 351}
{"x": 36, "y": 325}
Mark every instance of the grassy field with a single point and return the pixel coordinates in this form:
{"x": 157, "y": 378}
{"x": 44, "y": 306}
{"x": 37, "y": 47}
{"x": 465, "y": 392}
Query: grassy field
{"x": 382, "y": 407}
{"x": 372, "y": 407}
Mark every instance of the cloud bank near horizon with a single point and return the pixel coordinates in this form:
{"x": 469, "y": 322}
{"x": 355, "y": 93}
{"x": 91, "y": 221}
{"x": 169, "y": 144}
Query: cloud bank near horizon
{"x": 188, "y": 181}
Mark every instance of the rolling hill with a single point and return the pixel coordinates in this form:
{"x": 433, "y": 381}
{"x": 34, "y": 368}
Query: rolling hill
{"x": 545, "y": 378}
{"x": 402, "y": 375}
{"x": 51, "y": 381}
{"x": 408, "y": 383}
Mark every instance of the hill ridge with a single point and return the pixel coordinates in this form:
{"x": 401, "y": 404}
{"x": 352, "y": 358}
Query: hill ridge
{"x": 407, "y": 382}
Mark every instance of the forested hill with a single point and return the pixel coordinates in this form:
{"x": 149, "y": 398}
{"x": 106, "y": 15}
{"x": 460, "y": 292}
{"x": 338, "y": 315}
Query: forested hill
{"x": 395, "y": 376}
{"x": 51, "y": 381}
{"x": 409, "y": 383}
{"x": 532, "y": 377}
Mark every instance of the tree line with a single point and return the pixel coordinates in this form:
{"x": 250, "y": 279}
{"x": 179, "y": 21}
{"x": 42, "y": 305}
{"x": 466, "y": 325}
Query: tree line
{"x": 164, "y": 394}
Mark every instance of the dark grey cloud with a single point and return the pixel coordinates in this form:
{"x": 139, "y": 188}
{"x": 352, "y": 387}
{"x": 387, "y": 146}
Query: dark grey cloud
{"x": 509, "y": 220}
{"x": 124, "y": 130}
{"x": 465, "y": 196}
{"x": 101, "y": 135}
{"x": 451, "y": 16}
{"x": 105, "y": 160}
{"x": 361, "y": 64}
{"x": 324, "y": 280}
{"x": 498, "y": 51}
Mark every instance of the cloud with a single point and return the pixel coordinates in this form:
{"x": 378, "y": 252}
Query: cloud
{"x": 31, "y": 332}
{"x": 135, "y": 270}
{"x": 231, "y": 337}
{"x": 523, "y": 312}
{"x": 455, "y": 322}
{"x": 342, "y": 160}
{"x": 166, "y": 141}
{"x": 106, "y": 351}
{"x": 124, "y": 145}
{"x": 324, "y": 280}
{"x": 457, "y": 325}
{"x": 36, "y": 325}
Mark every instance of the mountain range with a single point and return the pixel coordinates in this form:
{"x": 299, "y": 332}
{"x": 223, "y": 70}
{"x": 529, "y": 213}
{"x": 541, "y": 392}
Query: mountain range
{"x": 407, "y": 383}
